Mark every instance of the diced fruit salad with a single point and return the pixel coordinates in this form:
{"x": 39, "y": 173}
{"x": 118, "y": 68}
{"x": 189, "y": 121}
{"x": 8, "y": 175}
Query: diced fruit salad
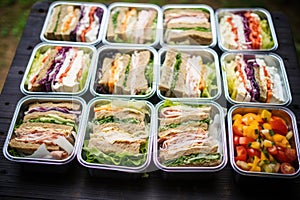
{"x": 263, "y": 143}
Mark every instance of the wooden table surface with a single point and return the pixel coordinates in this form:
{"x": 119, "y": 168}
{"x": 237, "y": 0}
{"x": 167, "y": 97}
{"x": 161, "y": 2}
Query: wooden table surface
{"x": 76, "y": 182}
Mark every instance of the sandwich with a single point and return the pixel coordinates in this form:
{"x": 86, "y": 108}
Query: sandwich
{"x": 74, "y": 23}
{"x": 47, "y": 130}
{"x": 245, "y": 30}
{"x": 185, "y": 75}
{"x": 183, "y": 136}
{"x": 119, "y": 134}
{"x": 249, "y": 79}
{"x": 126, "y": 74}
{"x": 58, "y": 69}
{"x": 187, "y": 26}
{"x": 132, "y": 25}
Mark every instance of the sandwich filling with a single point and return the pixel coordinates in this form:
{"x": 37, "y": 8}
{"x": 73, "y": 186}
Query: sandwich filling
{"x": 249, "y": 79}
{"x": 126, "y": 74}
{"x": 129, "y": 24}
{"x": 185, "y": 75}
{"x": 119, "y": 134}
{"x": 47, "y": 130}
{"x": 245, "y": 30}
{"x": 59, "y": 69}
{"x": 184, "y": 138}
{"x": 74, "y": 23}
{"x": 187, "y": 26}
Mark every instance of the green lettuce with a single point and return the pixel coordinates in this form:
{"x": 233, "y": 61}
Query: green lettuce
{"x": 93, "y": 155}
{"x": 267, "y": 40}
{"x": 193, "y": 159}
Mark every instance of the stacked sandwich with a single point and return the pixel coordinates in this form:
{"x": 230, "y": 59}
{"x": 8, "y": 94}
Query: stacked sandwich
{"x": 47, "y": 130}
{"x": 120, "y": 134}
{"x": 74, "y": 23}
{"x": 185, "y": 75}
{"x": 126, "y": 74}
{"x": 184, "y": 139}
{"x": 58, "y": 69}
{"x": 187, "y": 26}
{"x": 249, "y": 79}
{"x": 132, "y": 25}
{"x": 245, "y": 30}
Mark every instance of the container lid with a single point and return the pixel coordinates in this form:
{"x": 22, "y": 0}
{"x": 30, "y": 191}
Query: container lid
{"x": 262, "y": 18}
{"x": 189, "y": 30}
{"x": 188, "y": 115}
{"x": 43, "y": 78}
{"x": 42, "y": 155}
{"x": 60, "y": 11}
{"x": 136, "y": 125}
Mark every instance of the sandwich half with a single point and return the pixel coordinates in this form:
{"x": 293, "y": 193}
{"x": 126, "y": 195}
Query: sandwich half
{"x": 119, "y": 134}
{"x": 183, "y": 137}
{"x": 132, "y": 25}
{"x": 185, "y": 75}
{"x": 126, "y": 74}
{"x": 249, "y": 79}
{"x": 187, "y": 26}
{"x": 47, "y": 130}
{"x": 59, "y": 69}
{"x": 74, "y": 23}
{"x": 245, "y": 30}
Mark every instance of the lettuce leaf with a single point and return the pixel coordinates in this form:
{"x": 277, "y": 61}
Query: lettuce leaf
{"x": 267, "y": 40}
{"x": 93, "y": 155}
{"x": 193, "y": 159}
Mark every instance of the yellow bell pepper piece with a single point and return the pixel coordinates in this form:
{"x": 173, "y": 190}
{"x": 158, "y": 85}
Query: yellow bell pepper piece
{"x": 236, "y": 116}
{"x": 267, "y": 126}
{"x": 267, "y": 143}
{"x": 265, "y": 114}
{"x": 255, "y": 145}
{"x": 280, "y": 140}
{"x": 250, "y": 131}
{"x": 254, "y": 165}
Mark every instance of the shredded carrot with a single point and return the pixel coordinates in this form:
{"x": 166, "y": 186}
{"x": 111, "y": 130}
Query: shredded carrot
{"x": 256, "y": 41}
{"x": 91, "y": 17}
{"x": 269, "y": 84}
{"x": 233, "y": 29}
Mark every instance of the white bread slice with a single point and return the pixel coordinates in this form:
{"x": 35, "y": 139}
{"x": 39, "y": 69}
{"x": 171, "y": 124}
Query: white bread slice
{"x": 53, "y": 22}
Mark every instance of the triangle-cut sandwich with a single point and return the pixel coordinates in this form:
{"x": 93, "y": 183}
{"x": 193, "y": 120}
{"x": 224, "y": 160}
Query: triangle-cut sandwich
{"x": 47, "y": 130}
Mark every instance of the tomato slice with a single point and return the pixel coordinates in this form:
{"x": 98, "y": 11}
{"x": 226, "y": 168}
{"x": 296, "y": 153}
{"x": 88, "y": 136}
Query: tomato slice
{"x": 237, "y": 131}
{"x": 236, "y": 140}
{"x": 278, "y": 125}
{"x": 253, "y": 152}
{"x": 290, "y": 154}
{"x": 246, "y": 140}
{"x": 272, "y": 150}
{"x": 241, "y": 153}
{"x": 287, "y": 168}
{"x": 281, "y": 157}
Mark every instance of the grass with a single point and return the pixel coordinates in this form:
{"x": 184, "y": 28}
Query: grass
{"x": 14, "y": 13}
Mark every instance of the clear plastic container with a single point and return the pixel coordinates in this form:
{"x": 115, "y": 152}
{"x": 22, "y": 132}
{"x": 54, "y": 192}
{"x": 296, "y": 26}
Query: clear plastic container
{"x": 209, "y": 84}
{"x": 129, "y": 74}
{"x": 134, "y": 36}
{"x": 112, "y": 154}
{"x": 271, "y": 71}
{"x": 265, "y": 24}
{"x": 82, "y": 17}
{"x": 54, "y": 128}
{"x": 199, "y": 33}
{"x": 211, "y": 145}
{"x": 43, "y": 65}
{"x": 265, "y": 165}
